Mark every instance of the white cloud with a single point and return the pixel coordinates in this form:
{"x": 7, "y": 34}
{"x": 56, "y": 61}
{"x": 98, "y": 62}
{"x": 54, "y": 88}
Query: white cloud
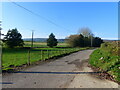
{"x": 98, "y": 34}
{"x": 111, "y": 38}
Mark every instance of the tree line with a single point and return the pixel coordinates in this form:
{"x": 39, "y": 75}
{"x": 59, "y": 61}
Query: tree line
{"x": 81, "y": 41}
{"x": 14, "y": 39}
{"x": 84, "y": 39}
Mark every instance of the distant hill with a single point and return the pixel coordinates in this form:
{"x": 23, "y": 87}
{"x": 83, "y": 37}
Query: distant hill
{"x": 42, "y": 39}
{"x": 59, "y": 40}
{"x": 105, "y": 40}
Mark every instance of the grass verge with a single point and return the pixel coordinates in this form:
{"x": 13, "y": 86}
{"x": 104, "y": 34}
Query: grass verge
{"x": 107, "y": 59}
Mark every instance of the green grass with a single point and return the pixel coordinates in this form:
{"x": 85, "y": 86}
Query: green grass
{"x": 19, "y": 56}
{"x": 107, "y": 59}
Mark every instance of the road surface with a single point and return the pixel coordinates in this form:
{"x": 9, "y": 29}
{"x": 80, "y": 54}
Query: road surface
{"x": 55, "y": 74}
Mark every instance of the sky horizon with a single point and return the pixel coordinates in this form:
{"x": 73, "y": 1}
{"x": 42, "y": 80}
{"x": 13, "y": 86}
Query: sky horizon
{"x": 61, "y": 18}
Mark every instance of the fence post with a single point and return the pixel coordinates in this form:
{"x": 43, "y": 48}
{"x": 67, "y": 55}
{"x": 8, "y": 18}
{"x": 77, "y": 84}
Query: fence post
{"x": 28, "y": 57}
{"x": 56, "y": 52}
{"x": 41, "y": 55}
{"x": 48, "y": 53}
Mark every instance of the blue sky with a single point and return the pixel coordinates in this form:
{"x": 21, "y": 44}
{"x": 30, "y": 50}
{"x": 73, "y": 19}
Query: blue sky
{"x": 100, "y": 17}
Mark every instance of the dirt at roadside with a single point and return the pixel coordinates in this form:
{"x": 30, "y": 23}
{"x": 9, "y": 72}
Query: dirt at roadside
{"x": 102, "y": 75}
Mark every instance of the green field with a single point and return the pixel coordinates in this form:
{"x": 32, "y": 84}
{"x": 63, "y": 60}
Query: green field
{"x": 19, "y": 56}
{"x": 43, "y": 44}
{"x": 107, "y": 58}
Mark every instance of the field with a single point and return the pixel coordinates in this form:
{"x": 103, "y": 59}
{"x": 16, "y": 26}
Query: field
{"x": 19, "y": 56}
{"x": 43, "y": 44}
{"x": 107, "y": 58}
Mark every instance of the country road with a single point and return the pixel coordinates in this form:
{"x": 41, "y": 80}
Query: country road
{"x": 55, "y": 74}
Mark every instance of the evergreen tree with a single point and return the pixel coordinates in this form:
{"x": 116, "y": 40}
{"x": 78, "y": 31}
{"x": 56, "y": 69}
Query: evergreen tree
{"x": 13, "y": 39}
{"x": 52, "y": 41}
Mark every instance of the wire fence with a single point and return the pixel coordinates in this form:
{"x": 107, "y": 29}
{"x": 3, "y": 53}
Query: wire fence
{"x": 47, "y": 54}
{"x": 30, "y": 56}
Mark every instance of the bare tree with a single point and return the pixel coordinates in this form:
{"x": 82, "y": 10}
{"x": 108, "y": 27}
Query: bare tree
{"x": 85, "y": 31}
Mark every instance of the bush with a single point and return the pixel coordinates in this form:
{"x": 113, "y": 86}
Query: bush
{"x": 75, "y": 41}
{"x": 82, "y": 41}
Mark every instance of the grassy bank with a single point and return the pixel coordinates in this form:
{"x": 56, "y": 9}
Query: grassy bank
{"x": 107, "y": 58}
